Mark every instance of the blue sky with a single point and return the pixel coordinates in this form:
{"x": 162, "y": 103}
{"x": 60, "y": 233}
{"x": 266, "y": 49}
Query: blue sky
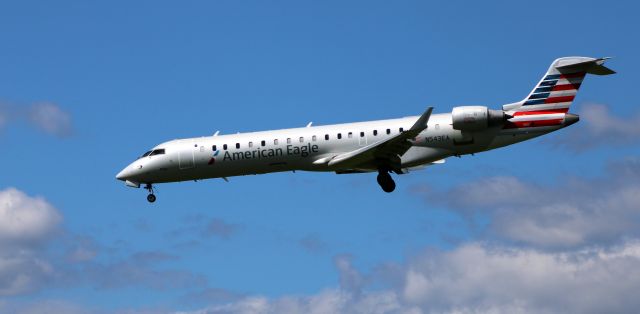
{"x": 86, "y": 87}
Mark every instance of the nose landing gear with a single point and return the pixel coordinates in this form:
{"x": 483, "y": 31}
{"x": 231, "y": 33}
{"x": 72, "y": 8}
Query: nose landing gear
{"x": 386, "y": 182}
{"x": 151, "y": 197}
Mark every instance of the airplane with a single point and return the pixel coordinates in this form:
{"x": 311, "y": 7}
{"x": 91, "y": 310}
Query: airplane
{"x": 396, "y": 146}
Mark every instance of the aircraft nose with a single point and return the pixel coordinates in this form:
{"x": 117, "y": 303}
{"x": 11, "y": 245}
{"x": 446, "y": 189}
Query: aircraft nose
{"x": 122, "y": 175}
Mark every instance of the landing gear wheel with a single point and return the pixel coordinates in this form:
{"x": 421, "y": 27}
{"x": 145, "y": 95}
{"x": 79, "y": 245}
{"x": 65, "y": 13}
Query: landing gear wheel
{"x": 151, "y": 197}
{"x": 386, "y": 182}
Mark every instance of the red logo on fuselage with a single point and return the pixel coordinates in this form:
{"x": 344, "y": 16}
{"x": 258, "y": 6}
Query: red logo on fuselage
{"x": 213, "y": 158}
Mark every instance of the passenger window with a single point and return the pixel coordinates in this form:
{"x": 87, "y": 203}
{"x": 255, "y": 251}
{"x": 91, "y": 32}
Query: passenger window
{"x": 224, "y": 146}
{"x": 339, "y": 136}
{"x": 314, "y": 138}
{"x": 214, "y": 148}
{"x": 301, "y": 139}
{"x": 375, "y": 132}
{"x": 388, "y": 131}
{"x": 437, "y": 126}
{"x": 401, "y": 130}
{"x": 237, "y": 145}
{"x": 326, "y": 137}
{"x": 350, "y": 135}
{"x": 263, "y": 143}
{"x": 361, "y": 134}
{"x": 275, "y": 142}
{"x": 250, "y": 144}
{"x": 288, "y": 140}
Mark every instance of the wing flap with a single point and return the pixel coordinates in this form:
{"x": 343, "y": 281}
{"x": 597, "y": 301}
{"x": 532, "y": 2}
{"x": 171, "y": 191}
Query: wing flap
{"x": 361, "y": 154}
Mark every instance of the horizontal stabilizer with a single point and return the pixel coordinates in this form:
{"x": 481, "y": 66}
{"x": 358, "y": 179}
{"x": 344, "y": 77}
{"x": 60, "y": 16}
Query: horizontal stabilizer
{"x": 594, "y": 66}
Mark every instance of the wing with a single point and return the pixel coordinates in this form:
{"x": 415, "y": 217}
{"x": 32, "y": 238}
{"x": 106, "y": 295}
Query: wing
{"x": 383, "y": 154}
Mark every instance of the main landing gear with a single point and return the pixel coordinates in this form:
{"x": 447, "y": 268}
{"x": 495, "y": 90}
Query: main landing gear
{"x": 151, "y": 197}
{"x": 386, "y": 182}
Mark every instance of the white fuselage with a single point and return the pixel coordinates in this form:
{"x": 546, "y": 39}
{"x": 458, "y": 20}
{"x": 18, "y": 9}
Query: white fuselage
{"x": 385, "y": 146}
{"x": 310, "y": 149}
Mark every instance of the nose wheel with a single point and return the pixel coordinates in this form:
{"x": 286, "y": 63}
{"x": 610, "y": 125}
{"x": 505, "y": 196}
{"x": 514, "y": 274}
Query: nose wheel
{"x": 386, "y": 182}
{"x": 151, "y": 197}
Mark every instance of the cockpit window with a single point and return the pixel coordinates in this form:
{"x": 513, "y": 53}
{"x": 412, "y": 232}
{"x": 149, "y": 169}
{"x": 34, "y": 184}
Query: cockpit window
{"x": 157, "y": 152}
{"x": 153, "y": 153}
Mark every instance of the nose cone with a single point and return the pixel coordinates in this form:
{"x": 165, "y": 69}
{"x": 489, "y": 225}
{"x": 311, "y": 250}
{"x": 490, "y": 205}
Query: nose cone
{"x": 124, "y": 174}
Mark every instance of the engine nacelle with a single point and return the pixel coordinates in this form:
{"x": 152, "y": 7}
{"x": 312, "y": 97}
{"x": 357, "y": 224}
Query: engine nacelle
{"x": 476, "y": 118}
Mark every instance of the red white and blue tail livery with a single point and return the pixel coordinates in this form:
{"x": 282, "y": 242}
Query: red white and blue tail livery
{"x": 550, "y": 100}
{"x": 384, "y": 146}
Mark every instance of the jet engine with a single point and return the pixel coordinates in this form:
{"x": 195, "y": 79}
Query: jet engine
{"x": 477, "y": 118}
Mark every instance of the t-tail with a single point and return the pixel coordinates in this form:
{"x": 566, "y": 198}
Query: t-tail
{"x": 548, "y": 103}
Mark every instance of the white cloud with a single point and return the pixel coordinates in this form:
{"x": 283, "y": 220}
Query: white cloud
{"x": 328, "y": 301}
{"x": 45, "y": 116}
{"x": 571, "y": 213}
{"x": 350, "y": 279}
{"x": 473, "y": 278}
{"x": 23, "y": 272}
{"x": 600, "y": 127}
{"x": 25, "y": 222}
{"x": 578, "y": 251}
{"x": 24, "y": 218}
{"x": 33, "y": 254}
{"x": 601, "y": 122}
{"x": 50, "y": 118}
{"x": 479, "y": 278}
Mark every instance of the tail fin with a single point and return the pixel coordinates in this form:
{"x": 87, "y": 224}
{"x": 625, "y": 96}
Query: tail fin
{"x": 557, "y": 89}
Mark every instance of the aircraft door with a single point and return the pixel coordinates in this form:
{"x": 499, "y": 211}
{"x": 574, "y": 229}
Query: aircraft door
{"x": 186, "y": 156}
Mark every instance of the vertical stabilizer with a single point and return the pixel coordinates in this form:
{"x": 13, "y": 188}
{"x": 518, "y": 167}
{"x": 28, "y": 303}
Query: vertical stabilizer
{"x": 556, "y": 90}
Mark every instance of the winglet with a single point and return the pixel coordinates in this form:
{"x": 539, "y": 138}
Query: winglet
{"x": 421, "y": 124}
